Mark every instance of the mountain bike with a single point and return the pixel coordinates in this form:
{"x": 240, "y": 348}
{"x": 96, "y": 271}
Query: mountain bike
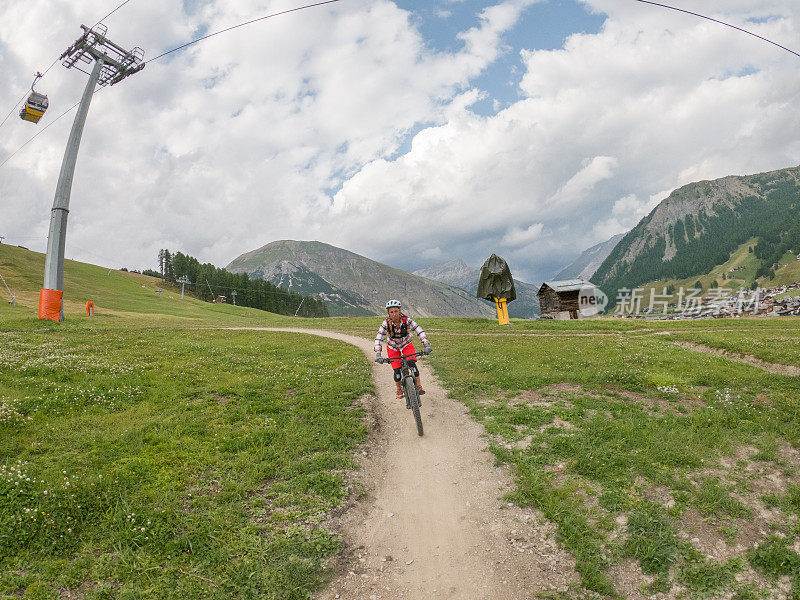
{"x": 409, "y": 384}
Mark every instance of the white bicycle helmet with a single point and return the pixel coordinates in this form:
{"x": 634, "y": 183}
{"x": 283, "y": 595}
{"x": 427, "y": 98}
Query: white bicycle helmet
{"x": 392, "y": 303}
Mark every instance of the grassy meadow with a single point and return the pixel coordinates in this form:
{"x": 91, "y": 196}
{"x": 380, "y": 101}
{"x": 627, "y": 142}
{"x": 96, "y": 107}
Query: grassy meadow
{"x": 144, "y": 453}
{"x": 675, "y": 468}
{"x": 148, "y": 452}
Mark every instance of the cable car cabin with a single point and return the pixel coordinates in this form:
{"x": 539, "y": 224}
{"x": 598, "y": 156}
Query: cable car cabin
{"x": 34, "y": 108}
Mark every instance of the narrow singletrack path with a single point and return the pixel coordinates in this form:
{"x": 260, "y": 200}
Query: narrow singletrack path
{"x": 777, "y": 368}
{"x": 432, "y": 523}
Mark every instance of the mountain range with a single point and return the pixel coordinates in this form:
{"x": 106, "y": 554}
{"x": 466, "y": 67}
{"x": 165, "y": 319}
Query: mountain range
{"x": 589, "y": 261}
{"x": 698, "y": 227}
{"x": 460, "y": 275}
{"x": 351, "y": 284}
{"x": 695, "y": 232}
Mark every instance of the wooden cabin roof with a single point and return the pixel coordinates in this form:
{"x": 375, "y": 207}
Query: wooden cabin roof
{"x": 567, "y": 285}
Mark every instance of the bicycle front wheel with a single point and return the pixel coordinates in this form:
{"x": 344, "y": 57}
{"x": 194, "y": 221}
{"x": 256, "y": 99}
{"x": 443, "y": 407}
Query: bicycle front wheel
{"x": 412, "y": 393}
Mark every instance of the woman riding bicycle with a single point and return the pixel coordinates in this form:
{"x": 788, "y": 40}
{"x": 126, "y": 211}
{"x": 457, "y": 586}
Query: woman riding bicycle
{"x": 397, "y": 328}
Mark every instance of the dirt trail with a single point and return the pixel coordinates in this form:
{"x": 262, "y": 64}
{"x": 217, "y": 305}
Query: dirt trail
{"x": 433, "y": 524}
{"x": 777, "y": 368}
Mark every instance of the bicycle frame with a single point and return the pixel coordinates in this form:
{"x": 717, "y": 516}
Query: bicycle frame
{"x": 409, "y": 384}
{"x": 404, "y": 366}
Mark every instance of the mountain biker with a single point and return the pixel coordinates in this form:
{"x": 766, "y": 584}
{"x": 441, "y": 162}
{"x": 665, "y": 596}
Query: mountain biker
{"x": 397, "y": 328}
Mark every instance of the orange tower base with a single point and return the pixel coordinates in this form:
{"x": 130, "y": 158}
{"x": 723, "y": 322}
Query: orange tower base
{"x": 50, "y": 303}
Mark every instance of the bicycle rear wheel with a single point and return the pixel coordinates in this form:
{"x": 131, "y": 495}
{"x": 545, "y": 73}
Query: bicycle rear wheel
{"x": 413, "y": 397}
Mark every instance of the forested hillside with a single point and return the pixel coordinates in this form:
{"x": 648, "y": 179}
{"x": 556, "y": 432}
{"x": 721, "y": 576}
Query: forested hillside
{"x": 209, "y": 281}
{"x": 699, "y": 225}
{"x": 351, "y": 284}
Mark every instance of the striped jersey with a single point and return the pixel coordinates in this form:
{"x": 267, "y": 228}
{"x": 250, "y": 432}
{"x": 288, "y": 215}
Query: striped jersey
{"x": 396, "y": 338}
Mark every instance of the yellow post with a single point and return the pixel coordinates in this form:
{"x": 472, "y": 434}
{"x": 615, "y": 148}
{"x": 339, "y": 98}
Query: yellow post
{"x": 502, "y": 311}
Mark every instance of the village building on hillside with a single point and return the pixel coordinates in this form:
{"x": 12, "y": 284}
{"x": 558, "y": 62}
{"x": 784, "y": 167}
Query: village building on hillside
{"x": 568, "y": 299}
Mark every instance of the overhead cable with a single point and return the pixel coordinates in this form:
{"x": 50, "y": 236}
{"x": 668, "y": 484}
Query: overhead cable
{"x": 14, "y": 108}
{"x": 52, "y": 64}
{"x": 689, "y": 12}
{"x": 200, "y": 39}
{"x": 41, "y": 131}
{"x": 109, "y": 14}
{"x": 205, "y": 37}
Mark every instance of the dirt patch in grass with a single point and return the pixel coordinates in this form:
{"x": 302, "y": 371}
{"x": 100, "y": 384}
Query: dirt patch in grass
{"x": 630, "y": 582}
{"x": 485, "y": 401}
{"x": 565, "y": 389}
{"x": 659, "y": 493}
{"x": 558, "y": 423}
{"x": 756, "y": 478}
{"x": 679, "y": 406}
{"x": 747, "y": 483}
{"x": 78, "y": 593}
{"x": 220, "y": 399}
{"x": 705, "y": 536}
{"x": 520, "y": 444}
{"x": 749, "y": 359}
{"x": 536, "y": 398}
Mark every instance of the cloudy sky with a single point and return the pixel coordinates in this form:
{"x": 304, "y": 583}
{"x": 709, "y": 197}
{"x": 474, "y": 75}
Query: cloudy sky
{"x": 412, "y": 132}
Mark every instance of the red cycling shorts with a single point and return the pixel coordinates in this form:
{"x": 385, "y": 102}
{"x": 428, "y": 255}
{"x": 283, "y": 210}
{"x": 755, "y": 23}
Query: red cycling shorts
{"x": 408, "y": 352}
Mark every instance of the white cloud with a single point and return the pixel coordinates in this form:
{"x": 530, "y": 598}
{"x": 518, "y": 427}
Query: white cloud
{"x": 517, "y": 236}
{"x": 650, "y": 103}
{"x": 233, "y": 142}
{"x": 298, "y": 127}
{"x": 626, "y": 213}
{"x": 432, "y": 253}
{"x": 577, "y": 188}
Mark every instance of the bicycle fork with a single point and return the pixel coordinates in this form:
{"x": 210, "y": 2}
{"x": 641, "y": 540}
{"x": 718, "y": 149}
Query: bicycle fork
{"x": 407, "y": 382}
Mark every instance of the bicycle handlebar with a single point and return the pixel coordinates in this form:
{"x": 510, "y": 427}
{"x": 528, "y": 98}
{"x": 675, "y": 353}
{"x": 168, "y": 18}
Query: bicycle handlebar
{"x": 401, "y": 357}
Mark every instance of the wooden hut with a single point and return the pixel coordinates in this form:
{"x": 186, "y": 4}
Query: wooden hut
{"x": 561, "y": 299}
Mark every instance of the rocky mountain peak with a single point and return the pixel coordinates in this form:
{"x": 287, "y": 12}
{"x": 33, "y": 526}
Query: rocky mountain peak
{"x": 352, "y": 284}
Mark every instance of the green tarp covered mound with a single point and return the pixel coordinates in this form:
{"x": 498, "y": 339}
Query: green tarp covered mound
{"x": 495, "y": 282}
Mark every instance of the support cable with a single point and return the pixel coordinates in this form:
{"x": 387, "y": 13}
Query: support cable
{"x": 210, "y": 35}
{"x": 109, "y": 14}
{"x": 163, "y": 54}
{"x": 10, "y": 293}
{"x": 52, "y": 64}
{"x": 41, "y": 131}
{"x": 688, "y": 12}
{"x": 14, "y": 108}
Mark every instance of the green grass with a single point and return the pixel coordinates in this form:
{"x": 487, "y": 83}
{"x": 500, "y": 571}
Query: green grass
{"x": 117, "y": 295}
{"x": 777, "y": 346}
{"x": 741, "y": 259}
{"x": 706, "y": 578}
{"x": 788, "y": 272}
{"x": 746, "y": 265}
{"x": 185, "y": 460}
{"x": 651, "y": 538}
{"x": 167, "y": 462}
{"x": 775, "y": 558}
{"x": 714, "y": 500}
{"x": 635, "y": 422}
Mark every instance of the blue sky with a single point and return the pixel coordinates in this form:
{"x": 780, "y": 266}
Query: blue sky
{"x": 324, "y": 123}
{"x": 542, "y": 26}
